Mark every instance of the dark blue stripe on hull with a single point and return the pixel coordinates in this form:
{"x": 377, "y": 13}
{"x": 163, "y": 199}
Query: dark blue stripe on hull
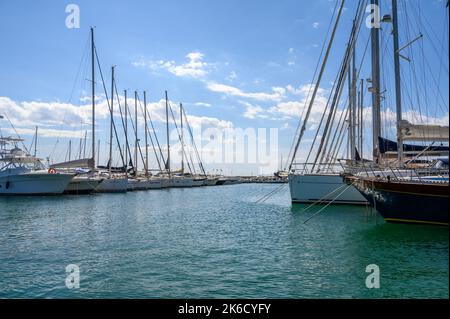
{"x": 414, "y": 208}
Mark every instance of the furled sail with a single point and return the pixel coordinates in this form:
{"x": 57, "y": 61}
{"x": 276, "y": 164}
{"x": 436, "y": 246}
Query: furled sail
{"x": 84, "y": 162}
{"x": 412, "y": 132}
{"x": 391, "y": 146}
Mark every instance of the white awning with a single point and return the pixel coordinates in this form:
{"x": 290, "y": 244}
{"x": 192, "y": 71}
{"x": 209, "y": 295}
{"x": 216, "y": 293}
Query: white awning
{"x": 412, "y": 132}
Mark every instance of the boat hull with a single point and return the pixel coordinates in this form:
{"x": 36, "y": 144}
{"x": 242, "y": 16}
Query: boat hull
{"x": 34, "y": 184}
{"x": 82, "y": 186}
{"x": 112, "y": 185}
{"x": 198, "y": 182}
{"x": 400, "y": 202}
{"x": 323, "y": 188}
{"x": 181, "y": 182}
{"x": 210, "y": 182}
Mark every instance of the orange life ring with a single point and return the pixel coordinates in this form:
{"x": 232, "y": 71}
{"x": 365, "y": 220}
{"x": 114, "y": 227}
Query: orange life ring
{"x": 52, "y": 171}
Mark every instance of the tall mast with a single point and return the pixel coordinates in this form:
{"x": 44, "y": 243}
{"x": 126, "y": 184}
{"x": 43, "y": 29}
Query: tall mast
{"x": 361, "y": 118}
{"x": 111, "y": 121}
{"x": 316, "y": 87}
{"x": 145, "y": 130}
{"x": 98, "y": 151}
{"x": 167, "y": 134}
{"x": 70, "y": 150}
{"x": 376, "y": 98}
{"x": 84, "y": 144}
{"x": 398, "y": 89}
{"x": 182, "y": 139}
{"x": 135, "y": 134}
{"x": 35, "y": 141}
{"x": 350, "y": 115}
{"x": 93, "y": 95}
{"x": 354, "y": 102}
{"x": 126, "y": 134}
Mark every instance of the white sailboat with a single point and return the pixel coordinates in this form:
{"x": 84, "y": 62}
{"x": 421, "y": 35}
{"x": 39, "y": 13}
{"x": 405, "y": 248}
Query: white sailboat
{"x": 316, "y": 184}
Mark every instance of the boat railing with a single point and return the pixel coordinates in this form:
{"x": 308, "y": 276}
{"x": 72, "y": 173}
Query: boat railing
{"x": 321, "y": 168}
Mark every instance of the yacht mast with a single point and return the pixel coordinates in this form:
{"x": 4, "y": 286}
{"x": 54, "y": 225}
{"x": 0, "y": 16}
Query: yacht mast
{"x": 167, "y": 134}
{"x": 135, "y": 134}
{"x": 126, "y": 134}
{"x": 35, "y": 141}
{"x": 145, "y": 130}
{"x": 111, "y": 121}
{"x": 316, "y": 87}
{"x": 375, "y": 90}
{"x": 354, "y": 102}
{"x": 182, "y": 139}
{"x": 398, "y": 89}
{"x": 93, "y": 96}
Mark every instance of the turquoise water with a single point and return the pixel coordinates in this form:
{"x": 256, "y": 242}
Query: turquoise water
{"x": 212, "y": 242}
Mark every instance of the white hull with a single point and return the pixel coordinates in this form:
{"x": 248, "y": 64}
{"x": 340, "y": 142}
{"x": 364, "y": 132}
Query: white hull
{"x": 154, "y": 183}
{"x": 135, "y": 184}
{"x": 210, "y": 181}
{"x": 181, "y": 182}
{"x": 34, "y": 183}
{"x": 82, "y": 185}
{"x": 143, "y": 184}
{"x": 112, "y": 185}
{"x": 326, "y": 188}
{"x": 198, "y": 182}
{"x": 231, "y": 182}
{"x": 165, "y": 182}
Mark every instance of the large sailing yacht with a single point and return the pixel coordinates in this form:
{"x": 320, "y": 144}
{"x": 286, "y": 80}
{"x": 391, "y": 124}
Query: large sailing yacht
{"x": 423, "y": 196}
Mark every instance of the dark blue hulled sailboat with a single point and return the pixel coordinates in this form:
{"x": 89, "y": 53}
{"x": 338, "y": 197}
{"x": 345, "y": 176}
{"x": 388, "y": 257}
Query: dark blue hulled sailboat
{"x": 406, "y": 194}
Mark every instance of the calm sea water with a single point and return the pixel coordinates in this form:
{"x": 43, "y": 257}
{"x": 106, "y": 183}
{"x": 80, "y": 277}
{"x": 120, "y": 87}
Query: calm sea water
{"x": 213, "y": 242}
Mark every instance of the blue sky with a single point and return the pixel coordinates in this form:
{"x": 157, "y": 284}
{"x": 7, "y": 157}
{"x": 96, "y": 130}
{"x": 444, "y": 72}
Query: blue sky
{"x": 239, "y": 63}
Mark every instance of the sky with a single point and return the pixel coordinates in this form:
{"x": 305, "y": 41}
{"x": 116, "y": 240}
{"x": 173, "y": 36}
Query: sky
{"x": 233, "y": 64}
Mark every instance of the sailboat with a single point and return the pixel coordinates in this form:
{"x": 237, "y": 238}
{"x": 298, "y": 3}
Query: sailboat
{"x": 24, "y": 174}
{"x": 422, "y": 197}
{"x": 318, "y": 181}
{"x": 111, "y": 183}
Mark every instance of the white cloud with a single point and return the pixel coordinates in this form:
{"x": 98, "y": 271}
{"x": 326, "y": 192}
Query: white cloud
{"x": 316, "y": 25}
{"x": 56, "y": 119}
{"x": 195, "y": 67}
{"x": 252, "y": 111}
{"x": 275, "y": 95}
{"x": 202, "y": 104}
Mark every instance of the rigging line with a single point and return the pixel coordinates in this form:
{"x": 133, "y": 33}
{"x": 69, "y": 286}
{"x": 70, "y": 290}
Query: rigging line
{"x": 319, "y": 79}
{"x": 335, "y": 82}
{"x": 149, "y": 135}
{"x": 157, "y": 140}
{"x": 310, "y": 87}
{"x": 347, "y": 58}
{"x": 107, "y": 102}
{"x": 138, "y": 140}
{"x": 83, "y": 59}
{"x": 127, "y": 147}
{"x": 419, "y": 17}
{"x": 153, "y": 144}
{"x": 321, "y": 200}
{"x": 179, "y": 137}
{"x": 270, "y": 194}
{"x": 200, "y": 163}
{"x": 336, "y": 97}
{"x": 323, "y": 208}
{"x": 357, "y": 77}
{"x": 17, "y": 133}
{"x": 193, "y": 143}
{"x": 184, "y": 155}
